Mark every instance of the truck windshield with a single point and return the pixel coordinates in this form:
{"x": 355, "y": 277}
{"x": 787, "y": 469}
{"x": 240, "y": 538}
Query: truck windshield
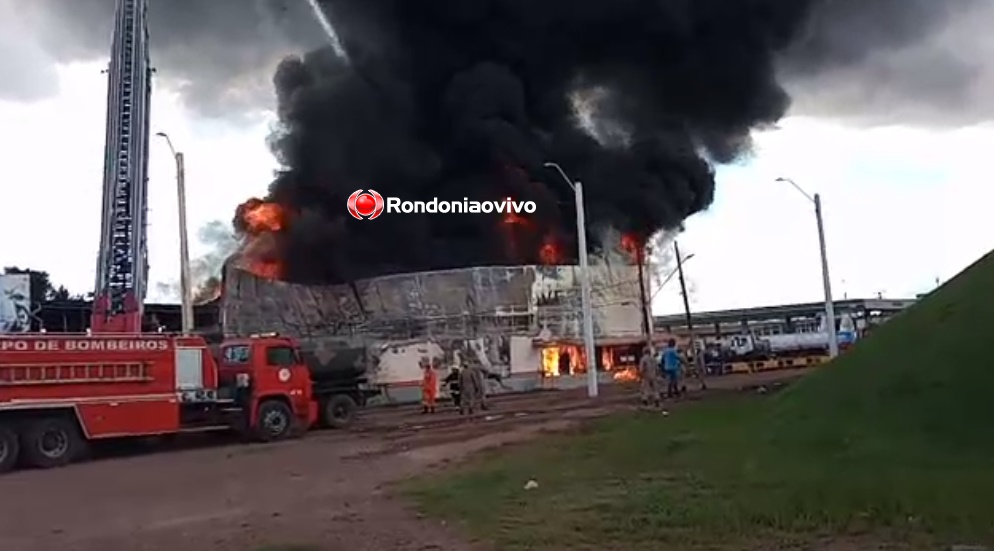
{"x": 236, "y": 354}
{"x": 281, "y": 356}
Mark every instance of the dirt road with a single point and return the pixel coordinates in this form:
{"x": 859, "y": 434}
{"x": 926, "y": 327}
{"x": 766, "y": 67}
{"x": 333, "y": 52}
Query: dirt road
{"x": 326, "y": 490}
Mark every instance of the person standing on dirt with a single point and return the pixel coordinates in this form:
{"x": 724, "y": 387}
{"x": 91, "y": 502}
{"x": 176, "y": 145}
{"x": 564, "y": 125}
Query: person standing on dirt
{"x": 470, "y": 390}
{"x": 671, "y": 364}
{"x": 452, "y": 382}
{"x": 429, "y": 386}
{"x": 649, "y": 378}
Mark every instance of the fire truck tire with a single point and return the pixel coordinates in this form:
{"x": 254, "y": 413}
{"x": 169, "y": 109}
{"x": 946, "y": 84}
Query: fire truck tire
{"x": 275, "y": 421}
{"x": 51, "y": 442}
{"x": 339, "y": 411}
{"x": 10, "y": 448}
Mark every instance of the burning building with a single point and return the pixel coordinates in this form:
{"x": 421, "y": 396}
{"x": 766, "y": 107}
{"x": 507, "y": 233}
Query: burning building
{"x": 469, "y": 101}
{"x": 516, "y": 321}
{"x": 523, "y": 322}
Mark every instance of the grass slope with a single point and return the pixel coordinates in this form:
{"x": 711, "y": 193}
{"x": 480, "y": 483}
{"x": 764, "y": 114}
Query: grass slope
{"x": 892, "y": 442}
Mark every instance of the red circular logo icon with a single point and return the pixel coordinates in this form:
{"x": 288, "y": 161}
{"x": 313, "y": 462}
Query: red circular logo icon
{"x": 366, "y": 205}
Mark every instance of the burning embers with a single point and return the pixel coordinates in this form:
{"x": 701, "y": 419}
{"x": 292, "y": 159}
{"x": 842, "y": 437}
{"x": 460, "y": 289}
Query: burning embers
{"x": 259, "y": 222}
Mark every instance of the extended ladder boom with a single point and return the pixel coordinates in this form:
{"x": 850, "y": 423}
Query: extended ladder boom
{"x": 122, "y": 265}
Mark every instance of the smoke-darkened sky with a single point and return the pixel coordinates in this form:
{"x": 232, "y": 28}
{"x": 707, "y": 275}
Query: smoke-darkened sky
{"x": 467, "y": 98}
{"x": 457, "y": 98}
{"x": 915, "y": 61}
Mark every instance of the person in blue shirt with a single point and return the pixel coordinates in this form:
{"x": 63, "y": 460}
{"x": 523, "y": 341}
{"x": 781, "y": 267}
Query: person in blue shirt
{"x": 671, "y": 364}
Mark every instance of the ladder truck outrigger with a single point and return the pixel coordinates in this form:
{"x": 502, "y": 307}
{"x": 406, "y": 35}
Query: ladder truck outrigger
{"x": 59, "y": 392}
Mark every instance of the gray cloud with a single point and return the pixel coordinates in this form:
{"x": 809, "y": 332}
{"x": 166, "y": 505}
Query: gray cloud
{"x": 919, "y": 62}
{"x": 26, "y": 70}
{"x": 220, "y": 54}
{"x": 925, "y": 62}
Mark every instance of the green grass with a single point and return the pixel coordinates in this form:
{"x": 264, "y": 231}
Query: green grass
{"x": 892, "y": 442}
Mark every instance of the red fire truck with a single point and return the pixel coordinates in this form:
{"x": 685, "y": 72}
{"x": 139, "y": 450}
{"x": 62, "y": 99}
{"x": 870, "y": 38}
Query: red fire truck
{"x": 60, "y": 392}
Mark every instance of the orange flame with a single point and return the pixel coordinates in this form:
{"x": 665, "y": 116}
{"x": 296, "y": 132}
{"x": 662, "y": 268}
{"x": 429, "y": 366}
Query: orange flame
{"x": 631, "y": 244}
{"x": 626, "y": 375}
{"x": 552, "y": 354}
{"x": 260, "y": 221}
{"x": 550, "y": 253}
{"x": 550, "y": 361}
{"x": 260, "y": 216}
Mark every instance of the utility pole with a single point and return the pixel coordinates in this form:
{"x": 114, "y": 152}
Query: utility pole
{"x": 698, "y": 363}
{"x": 585, "y": 293}
{"x": 644, "y": 301}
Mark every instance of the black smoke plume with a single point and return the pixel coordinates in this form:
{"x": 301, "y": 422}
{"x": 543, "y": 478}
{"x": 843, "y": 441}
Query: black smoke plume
{"x": 469, "y": 98}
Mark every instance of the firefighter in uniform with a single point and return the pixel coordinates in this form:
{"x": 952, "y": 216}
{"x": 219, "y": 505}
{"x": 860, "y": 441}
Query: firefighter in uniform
{"x": 452, "y": 382}
{"x": 429, "y": 386}
{"x": 470, "y": 389}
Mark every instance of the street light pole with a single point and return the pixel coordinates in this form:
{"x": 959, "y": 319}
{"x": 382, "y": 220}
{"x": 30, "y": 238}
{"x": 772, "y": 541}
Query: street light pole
{"x": 185, "y": 280}
{"x": 585, "y": 293}
{"x": 833, "y": 338}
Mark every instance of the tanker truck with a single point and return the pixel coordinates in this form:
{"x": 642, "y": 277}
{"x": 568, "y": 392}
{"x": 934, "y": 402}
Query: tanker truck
{"x": 339, "y": 381}
{"x": 749, "y": 347}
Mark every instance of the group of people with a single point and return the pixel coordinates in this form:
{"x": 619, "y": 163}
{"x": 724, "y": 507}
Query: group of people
{"x": 651, "y": 372}
{"x": 467, "y": 388}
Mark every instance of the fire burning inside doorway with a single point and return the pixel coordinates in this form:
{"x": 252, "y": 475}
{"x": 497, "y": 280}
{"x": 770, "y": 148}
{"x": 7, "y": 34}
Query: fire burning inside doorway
{"x": 570, "y": 359}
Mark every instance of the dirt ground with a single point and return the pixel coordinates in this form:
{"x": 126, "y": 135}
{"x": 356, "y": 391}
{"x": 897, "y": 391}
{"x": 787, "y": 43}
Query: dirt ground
{"x": 326, "y": 490}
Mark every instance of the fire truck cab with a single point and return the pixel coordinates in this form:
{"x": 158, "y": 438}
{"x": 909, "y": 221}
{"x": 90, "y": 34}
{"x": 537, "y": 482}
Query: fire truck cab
{"x": 58, "y": 392}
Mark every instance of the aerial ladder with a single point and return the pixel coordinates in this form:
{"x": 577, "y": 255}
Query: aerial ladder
{"x": 122, "y": 263}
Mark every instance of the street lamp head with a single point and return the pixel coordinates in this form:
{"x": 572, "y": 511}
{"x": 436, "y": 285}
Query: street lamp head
{"x": 161, "y": 134}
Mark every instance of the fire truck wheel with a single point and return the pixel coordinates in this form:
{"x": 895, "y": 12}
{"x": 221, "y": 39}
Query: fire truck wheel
{"x": 275, "y": 421}
{"x": 9, "y": 449}
{"x": 339, "y": 411}
{"x": 51, "y": 442}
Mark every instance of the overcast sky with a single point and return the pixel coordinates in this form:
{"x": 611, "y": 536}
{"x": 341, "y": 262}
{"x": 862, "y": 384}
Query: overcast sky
{"x": 905, "y": 205}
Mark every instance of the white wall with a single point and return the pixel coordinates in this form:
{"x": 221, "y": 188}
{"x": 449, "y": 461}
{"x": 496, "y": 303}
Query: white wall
{"x": 525, "y": 356}
{"x": 400, "y": 363}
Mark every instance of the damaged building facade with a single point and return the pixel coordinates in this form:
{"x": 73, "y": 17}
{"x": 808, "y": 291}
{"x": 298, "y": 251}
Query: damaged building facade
{"x": 522, "y": 322}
